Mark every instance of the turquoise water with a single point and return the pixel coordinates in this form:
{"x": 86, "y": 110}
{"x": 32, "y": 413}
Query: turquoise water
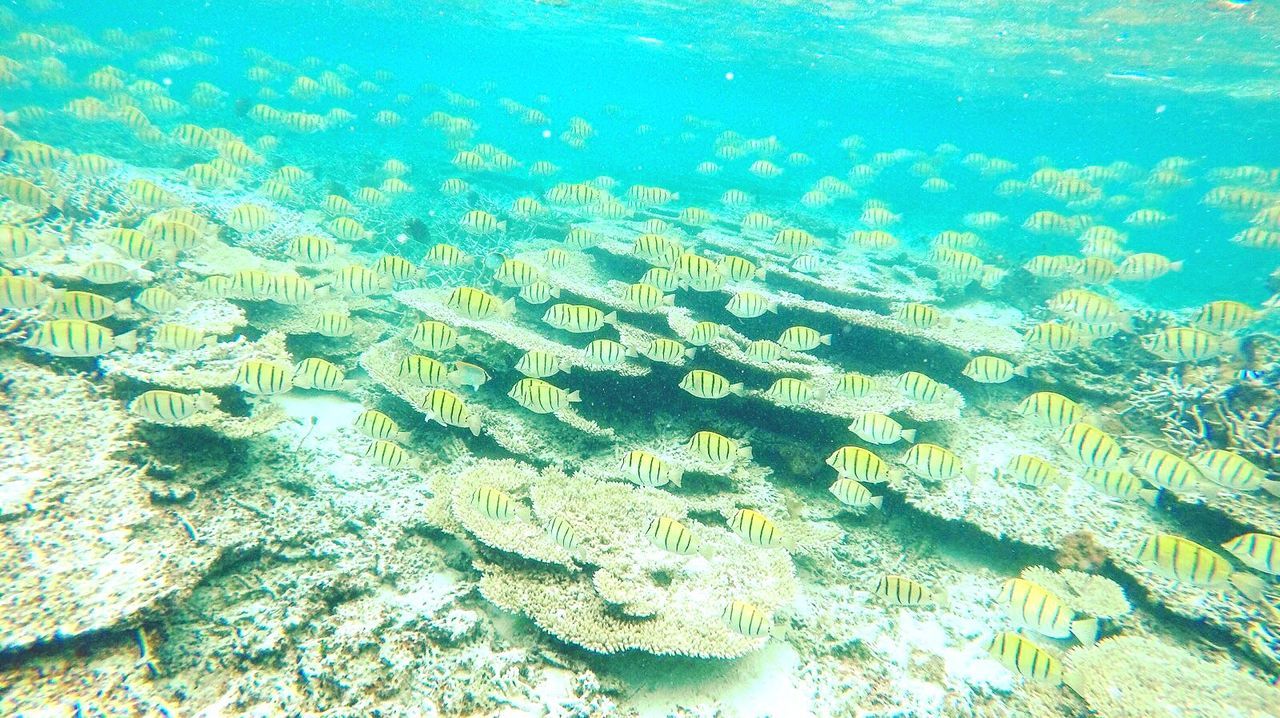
{"x": 211, "y": 522}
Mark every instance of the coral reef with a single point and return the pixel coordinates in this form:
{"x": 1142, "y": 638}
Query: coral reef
{"x": 1144, "y": 677}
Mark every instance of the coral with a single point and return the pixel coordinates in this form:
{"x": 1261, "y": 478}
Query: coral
{"x": 84, "y": 549}
{"x": 1080, "y": 551}
{"x": 1084, "y": 593}
{"x": 206, "y": 367}
{"x": 633, "y": 595}
{"x": 1144, "y": 677}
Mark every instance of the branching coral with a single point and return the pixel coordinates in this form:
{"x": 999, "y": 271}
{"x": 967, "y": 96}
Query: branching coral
{"x": 205, "y": 367}
{"x": 1084, "y": 593}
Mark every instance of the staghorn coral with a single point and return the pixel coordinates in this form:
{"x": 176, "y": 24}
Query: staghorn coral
{"x": 1144, "y": 677}
{"x": 206, "y": 367}
{"x": 1084, "y": 593}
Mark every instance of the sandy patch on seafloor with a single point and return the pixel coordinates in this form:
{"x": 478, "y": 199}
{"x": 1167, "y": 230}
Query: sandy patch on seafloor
{"x": 331, "y": 411}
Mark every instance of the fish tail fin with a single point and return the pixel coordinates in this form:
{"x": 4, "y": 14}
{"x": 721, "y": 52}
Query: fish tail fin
{"x": 745, "y": 452}
{"x": 206, "y": 401}
{"x": 611, "y": 318}
{"x": 772, "y": 308}
{"x": 677, "y": 477}
{"x": 474, "y": 424}
{"x": 1248, "y": 584}
{"x": 1176, "y": 266}
{"x": 1021, "y": 371}
{"x": 736, "y": 389}
{"x": 124, "y": 305}
{"x": 403, "y": 435}
{"x": 669, "y": 300}
{"x": 1085, "y": 630}
{"x": 825, "y": 339}
{"x": 909, "y": 435}
{"x": 877, "y": 501}
{"x": 575, "y": 396}
{"x": 555, "y": 292}
{"x": 1271, "y": 487}
{"x": 502, "y": 226}
{"x": 1125, "y": 322}
{"x": 127, "y": 341}
{"x": 760, "y": 273}
{"x": 508, "y": 307}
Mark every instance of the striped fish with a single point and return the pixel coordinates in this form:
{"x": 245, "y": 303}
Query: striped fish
{"x": 901, "y": 591}
{"x": 497, "y": 504}
{"x": 515, "y": 273}
{"x": 376, "y": 425}
{"x": 180, "y": 337}
{"x": 1034, "y": 471}
{"x": 644, "y": 469}
{"x": 933, "y": 462}
{"x": 1179, "y": 344}
{"x": 699, "y": 273}
{"x": 717, "y": 448}
{"x": 646, "y": 297}
{"x": 463, "y": 373}
{"x": 562, "y": 532}
{"x": 875, "y": 428}
{"x": 423, "y": 371}
{"x": 169, "y": 407}
{"x": 746, "y": 619}
{"x": 764, "y": 350}
{"x": 478, "y": 304}
{"x": 391, "y": 455}
{"x": 1184, "y": 560}
{"x": 854, "y": 385}
{"x": 669, "y": 534}
{"x": 1091, "y": 446}
{"x": 1260, "y": 552}
{"x": 448, "y": 409}
{"x": 315, "y": 373}
{"x": 1225, "y": 316}
{"x": 258, "y": 376}
{"x": 433, "y": 336}
{"x": 1120, "y": 484}
{"x": 311, "y": 249}
{"x": 667, "y": 351}
{"x": 802, "y": 339}
{"x": 992, "y": 370}
{"x": 334, "y": 324}
{"x": 1025, "y": 658}
{"x": 1052, "y": 409}
{"x": 1035, "y": 608}
{"x": 539, "y": 364}
{"x": 539, "y": 293}
{"x": 919, "y": 387}
{"x": 290, "y": 289}
{"x": 157, "y": 300}
{"x": 540, "y": 397}
{"x": 607, "y": 352}
{"x": 105, "y": 273}
{"x": 356, "y": 281}
{"x": 852, "y": 493}
{"x": 756, "y": 529}
{"x": 22, "y": 292}
{"x": 858, "y": 463}
{"x": 789, "y": 391}
{"x": 1169, "y": 471}
{"x": 920, "y": 316}
{"x": 749, "y": 305}
{"x": 703, "y": 333}
{"x": 709, "y": 385}
{"x": 578, "y": 318}
{"x": 447, "y": 255}
{"x": 1229, "y": 469}
{"x": 86, "y": 306}
{"x": 78, "y": 338}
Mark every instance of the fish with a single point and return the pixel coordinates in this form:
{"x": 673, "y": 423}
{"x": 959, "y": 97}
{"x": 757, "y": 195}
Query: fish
{"x": 478, "y": 304}
{"x": 901, "y": 591}
{"x": 180, "y": 337}
{"x": 646, "y": 297}
{"x": 746, "y": 619}
{"x": 391, "y": 455}
{"x": 669, "y": 534}
{"x": 851, "y": 493}
{"x": 607, "y": 352}
{"x": 1034, "y": 471}
{"x": 559, "y": 529}
{"x": 992, "y": 370}
{"x": 1025, "y": 658}
{"x": 709, "y": 385}
{"x": 1258, "y": 551}
{"x": 377, "y": 425}
{"x": 876, "y": 428}
{"x": 161, "y": 406}
{"x": 717, "y": 448}
{"x": 802, "y": 339}
{"x": 1091, "y": 446}
{"x": 704, "y": 333}
{"x": 919, "y": 387}
{"x": 933, "y": 462}
{"x": 264, "y": 378}
{"x": 1169, "y": 471}
{"x": 645, "y": 469}
{"x": 1182, "y": 344}
{"x": 464, "y": 373}
{"x": 749, "y": 305}
{"x": 87, "y": 306}
{"x": 1035, "y": 608}
{"x": 1120, "y": 484}
{"x": 18, "y": 292}
{"x": 157, "y": 300}
{"x": 540, "y": 397}
{"x": 1231, "y": 470}
{"x": 854, "y": 385}
{"x": 578, "y": 318}
{"x": 315, "y": 373}
{"x": 447, "y": 409}
{"x": 758, "y": 530}
{"x": 1184, "y": 560}
{"x": 920, "y": 316}
{"x": 667, "y": 351}
{"x": 497, "y": 505}
{"x": 433, "y": 336}
{"x": 1052, "y": 409}
{"x": 423, "y": 371}
{"x": 79, "y": 338}
{"x": 539, "y": 293}
{"x": 538, "y": 364}
{"x": 789, "y": 391}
